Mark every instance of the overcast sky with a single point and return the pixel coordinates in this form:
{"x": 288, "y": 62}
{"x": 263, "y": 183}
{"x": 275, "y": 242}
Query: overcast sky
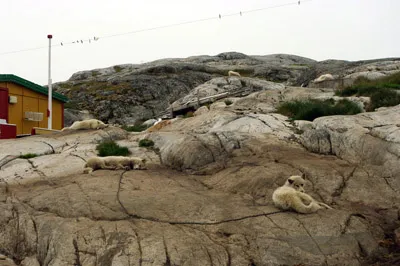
{"x": 317, "y": 29}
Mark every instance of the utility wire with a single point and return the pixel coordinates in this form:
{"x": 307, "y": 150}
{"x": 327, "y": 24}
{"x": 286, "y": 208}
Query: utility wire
{"x": 220, "y": 16}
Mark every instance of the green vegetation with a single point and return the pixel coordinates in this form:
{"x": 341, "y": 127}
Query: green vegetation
{"x": 95, "y": 73}
{"x": 135, "y": 128}
{"x": 311, "y": 109}
{"x": 381, "y": 91}
{"x": 146, "y": 143}
{"x": 111, "y": 148}
{"x": 228, "y": 102}
{"x": 117, "y": 69}
{"x": 28, "y": 156}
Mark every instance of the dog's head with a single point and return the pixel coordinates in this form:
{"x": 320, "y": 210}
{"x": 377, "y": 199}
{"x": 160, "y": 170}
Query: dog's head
{"x": 297, "y": 182}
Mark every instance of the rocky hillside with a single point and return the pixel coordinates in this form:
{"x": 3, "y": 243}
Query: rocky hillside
{"x": 206, "y": 196}
{"x": 128, "y": 94}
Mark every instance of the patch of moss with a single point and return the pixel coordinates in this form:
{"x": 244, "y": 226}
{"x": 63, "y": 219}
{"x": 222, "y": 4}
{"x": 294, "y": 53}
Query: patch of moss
{"x": 117, "y": 69}
{"x": 28, "y": 156}
{"x": 146, "y": 143}
{"x": 111, "y": 148}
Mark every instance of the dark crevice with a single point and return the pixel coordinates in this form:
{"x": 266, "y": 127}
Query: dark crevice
{"x": 389, "y": 185}
{"x": 76, "y": 155}
{"x": 77, "y": 258}
{"x": 119, "y": 189}
{"x": 348, "y": 220}
{"x": 167, "y": 260}
{"x": 262, "y": 121}
{"x": 209, "y": 256}
{"x": 312, "y": 238}
{"x": 48, "y": 144}
{"x": 203, "y": 223}
{"x": 35, "y": 169}
{"x": 338, "y": 191}
{"x": 15, "y": 215}
{"x": 220, "y": 141}
{"x": 139, "y": 246}
{"x": 7, "y": 159}
{"x": 363, "y": 252}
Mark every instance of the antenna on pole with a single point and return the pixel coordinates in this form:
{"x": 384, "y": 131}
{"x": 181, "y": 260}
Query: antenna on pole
{"x": 49, "y": 108}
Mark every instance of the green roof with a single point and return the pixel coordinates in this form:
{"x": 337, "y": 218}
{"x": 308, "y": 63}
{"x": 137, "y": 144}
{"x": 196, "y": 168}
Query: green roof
{"x": 30, "y": 85}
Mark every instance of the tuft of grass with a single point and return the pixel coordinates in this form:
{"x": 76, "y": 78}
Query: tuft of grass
{"x": 111, "y": 148}
{"x": 311, "y": 109}
{"x": 117, "y": 69}
{"x": 146, "y": 143}
{"x": 228, "y": 102}
{"x": 28, "y": 156}
{"x": 95, "y": 73}
{"x": 381, "y": 91}
{"x": 135, "y": 128}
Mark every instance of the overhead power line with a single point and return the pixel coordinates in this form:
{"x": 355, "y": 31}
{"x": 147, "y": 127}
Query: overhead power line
{"x": 96, "y": 38}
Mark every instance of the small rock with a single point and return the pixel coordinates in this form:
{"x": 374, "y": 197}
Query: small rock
{"x": 397, "y": 236}
{"x": 201, "y": 110}
{"x": 217, "y": 106}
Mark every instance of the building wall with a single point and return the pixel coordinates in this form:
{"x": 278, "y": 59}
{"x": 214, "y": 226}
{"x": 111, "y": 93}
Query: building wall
{"x": 31, "y": 101}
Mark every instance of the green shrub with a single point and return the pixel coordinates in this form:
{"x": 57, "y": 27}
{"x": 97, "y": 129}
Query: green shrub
{"x": 311, "y": 109}
{"x": 111, "y": 148}
{"x": 28, "y": 156}
{"x": 381, "y": 91}
{"x": 95, "y": 73}
{"x": 228, "y": 102}
{"x": 383, "y": 97}
{"x": 146, "y": 143}
{"x": 135, "y": 128}
{"x": 117, "y": 69}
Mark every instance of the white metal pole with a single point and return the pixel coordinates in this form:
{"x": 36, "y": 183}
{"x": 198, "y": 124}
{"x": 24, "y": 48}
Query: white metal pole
{"x": 49, "y": 108}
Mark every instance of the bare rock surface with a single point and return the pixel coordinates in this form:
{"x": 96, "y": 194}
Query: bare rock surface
{"x": 371, "y": 141}
{"x": 206, "y": 196}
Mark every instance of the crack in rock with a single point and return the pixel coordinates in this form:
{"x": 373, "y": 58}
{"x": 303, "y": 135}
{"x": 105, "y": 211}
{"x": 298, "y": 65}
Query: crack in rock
{"x": 167, "y": 258}
{"x": 48, "y": 144}
{"x": 139, "y": 245}
{"x": 206, "y": 147}
{"x": 214, "y": 242}
{"x": 77, "y": 258}
{"x": 7, "y": 159}
{"x": 86, "y": 198}
{"x": 262, "y": 121}
{"x": 348, "y": 220}
{"x": 339, "y": 190}
{"x": 118, "y": 191}
{"x": 78, "y": 156}
{"x": 312, "y": 238}
{"x": 152, "y": 219}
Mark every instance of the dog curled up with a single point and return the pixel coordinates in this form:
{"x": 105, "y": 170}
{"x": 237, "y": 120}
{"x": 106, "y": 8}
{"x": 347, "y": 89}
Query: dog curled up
{"x": 292, "y": 196}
